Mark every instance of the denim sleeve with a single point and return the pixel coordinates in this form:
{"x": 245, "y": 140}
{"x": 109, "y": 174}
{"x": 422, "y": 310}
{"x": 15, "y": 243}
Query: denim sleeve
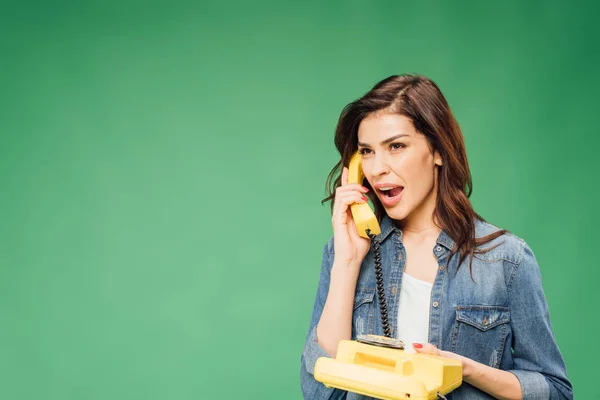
{"x": 538, "y": 363}
{"x": 312, "y": 389}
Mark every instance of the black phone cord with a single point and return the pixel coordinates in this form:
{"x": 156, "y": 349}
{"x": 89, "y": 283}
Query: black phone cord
{"x": 387, "y": 331}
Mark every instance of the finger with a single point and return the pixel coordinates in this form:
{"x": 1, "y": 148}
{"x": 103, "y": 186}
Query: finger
{"x": 426, "y": 348}
{"x": 344, "y": 176}
{"x": 341, "y": 210}
{"x": 353, "y": 230}
{"x": 351, "y": 197}
{"x": 343, "y": 204}
{"x": 352, "y": 186}
{"x": 345, "y": 199}
{"x": 342, "y": 216}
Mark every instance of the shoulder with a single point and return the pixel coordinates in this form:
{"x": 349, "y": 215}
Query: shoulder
{"x": 508, "y": 246}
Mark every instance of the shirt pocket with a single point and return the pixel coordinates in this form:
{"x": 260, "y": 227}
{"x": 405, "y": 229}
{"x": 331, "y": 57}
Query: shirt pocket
{"x": 480, "y": 333}
{"x": 363, "y": 312}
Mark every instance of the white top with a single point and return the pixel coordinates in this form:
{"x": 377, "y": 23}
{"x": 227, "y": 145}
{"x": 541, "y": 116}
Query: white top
{"x": 413, "y": 312}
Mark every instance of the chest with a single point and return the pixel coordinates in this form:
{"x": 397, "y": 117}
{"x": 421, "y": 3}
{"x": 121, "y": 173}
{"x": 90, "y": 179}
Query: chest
{"x": 420, "y": 262}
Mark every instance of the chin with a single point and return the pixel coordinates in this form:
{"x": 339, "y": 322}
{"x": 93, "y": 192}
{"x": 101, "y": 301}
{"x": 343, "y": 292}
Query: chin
{"x": 396, "y": 213}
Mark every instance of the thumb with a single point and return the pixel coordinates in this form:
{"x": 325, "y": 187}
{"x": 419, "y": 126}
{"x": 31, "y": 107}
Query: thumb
{"x": 426, "y": 348}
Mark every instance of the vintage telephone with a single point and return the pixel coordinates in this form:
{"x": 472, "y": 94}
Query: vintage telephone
{"x": 378, "y": 366}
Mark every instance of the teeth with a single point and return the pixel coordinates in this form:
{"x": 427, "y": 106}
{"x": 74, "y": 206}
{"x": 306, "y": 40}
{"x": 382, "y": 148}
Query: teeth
{"x": 386, "y": 188}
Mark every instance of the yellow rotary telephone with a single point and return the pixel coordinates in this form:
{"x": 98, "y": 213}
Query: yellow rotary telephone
{"x": 378, "y": 366}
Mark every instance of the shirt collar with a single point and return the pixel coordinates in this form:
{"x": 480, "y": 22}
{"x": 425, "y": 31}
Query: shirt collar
{"x": 387, "y": 227}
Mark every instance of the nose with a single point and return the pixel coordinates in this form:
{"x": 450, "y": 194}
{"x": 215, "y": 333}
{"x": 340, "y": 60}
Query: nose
{"x": 380, "y": 165}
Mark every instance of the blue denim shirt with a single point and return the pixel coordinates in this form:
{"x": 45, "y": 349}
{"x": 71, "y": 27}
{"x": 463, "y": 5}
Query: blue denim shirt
{"x": 501, "y": 319}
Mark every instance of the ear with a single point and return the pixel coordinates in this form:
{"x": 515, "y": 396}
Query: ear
{"x": 437, "y": 158}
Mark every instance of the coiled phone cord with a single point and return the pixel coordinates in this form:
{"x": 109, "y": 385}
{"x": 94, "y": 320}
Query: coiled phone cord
{"x": 380, "y": 292}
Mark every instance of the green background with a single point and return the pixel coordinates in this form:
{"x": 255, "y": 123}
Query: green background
{"x": 162, "y": 166}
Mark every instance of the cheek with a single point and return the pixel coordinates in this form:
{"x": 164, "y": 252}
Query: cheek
{"x": 409, "y": 169}
{"x": 422, "y": 166}
{"x": 367, "y": 168}
{"x": 417, "y": 174}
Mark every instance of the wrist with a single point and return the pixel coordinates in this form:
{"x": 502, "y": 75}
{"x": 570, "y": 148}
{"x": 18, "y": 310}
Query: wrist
{"x": 344, "y": 273}
{"x": 465, "y": 363}
{"x": 346, "y": 265}
{"x": 468, "y": 367}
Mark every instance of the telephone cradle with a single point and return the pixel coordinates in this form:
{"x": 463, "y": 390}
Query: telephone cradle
{"x": 388, "y": 373}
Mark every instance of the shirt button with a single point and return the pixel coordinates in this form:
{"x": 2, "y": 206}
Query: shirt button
{"x": 442, "y": 268}
{"x": 394, "y": 289}
{"x": 400, "y": 256}
{"x": 438, "y": 248}
{"x": 435, "y": 304}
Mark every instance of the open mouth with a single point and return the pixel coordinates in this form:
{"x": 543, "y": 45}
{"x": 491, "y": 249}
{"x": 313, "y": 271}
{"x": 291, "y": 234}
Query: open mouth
{"x": 391, "y": 192}
{"x": 390, "y": 196}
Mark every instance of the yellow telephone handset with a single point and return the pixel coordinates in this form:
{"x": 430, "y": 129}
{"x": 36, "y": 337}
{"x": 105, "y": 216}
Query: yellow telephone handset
{"x": 364, "y": 217}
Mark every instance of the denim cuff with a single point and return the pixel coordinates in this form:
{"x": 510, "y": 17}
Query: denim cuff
{"x": 533, "y": 384}
{"x": 312, "y": 351}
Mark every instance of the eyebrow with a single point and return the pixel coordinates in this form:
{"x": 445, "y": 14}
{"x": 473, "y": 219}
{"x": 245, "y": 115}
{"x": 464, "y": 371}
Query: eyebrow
{"x": 386, "y": 141}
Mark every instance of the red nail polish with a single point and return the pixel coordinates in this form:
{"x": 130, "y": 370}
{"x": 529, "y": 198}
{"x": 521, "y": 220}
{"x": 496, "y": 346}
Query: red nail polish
{"x": 365, "y": 198}
{"x": 365, "y": 189}
{"x": 417, "y": 345}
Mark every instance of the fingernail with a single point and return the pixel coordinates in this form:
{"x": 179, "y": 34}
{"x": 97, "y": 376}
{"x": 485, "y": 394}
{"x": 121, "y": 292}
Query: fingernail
{"x": 365, "y": 198}
{"x": 417, "y": 345}
{"x": 365, "y": 189}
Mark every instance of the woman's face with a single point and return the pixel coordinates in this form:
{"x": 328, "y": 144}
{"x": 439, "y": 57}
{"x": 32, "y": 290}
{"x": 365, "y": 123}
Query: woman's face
{"x": 400, "y": 167}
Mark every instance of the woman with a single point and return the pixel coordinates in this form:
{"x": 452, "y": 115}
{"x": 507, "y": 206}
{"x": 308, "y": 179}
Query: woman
{"x": 455, "y": 285}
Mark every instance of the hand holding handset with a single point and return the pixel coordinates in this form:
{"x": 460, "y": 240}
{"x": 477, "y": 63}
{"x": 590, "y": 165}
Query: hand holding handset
{"x": 377, "y": 366}
{"x": 363, "y": 216}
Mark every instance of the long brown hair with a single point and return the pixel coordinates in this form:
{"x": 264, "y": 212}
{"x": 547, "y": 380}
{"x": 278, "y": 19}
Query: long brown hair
{"x": 419, "y": 99}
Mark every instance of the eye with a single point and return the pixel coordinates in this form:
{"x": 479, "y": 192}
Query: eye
{"x": 364, "y": 151}
{"x": 397, "y": 146}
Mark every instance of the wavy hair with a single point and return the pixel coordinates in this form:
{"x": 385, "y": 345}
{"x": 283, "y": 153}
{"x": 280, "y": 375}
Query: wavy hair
{"x": 419, "y": 99}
